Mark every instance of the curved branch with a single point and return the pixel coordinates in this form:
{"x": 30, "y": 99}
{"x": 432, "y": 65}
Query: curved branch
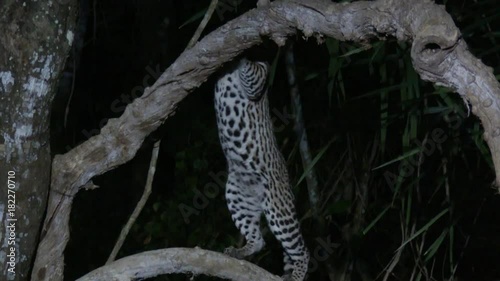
{"x": 459, "y": 70}
{"x": 179, "y": 260}
{"x": 438, "y": 55}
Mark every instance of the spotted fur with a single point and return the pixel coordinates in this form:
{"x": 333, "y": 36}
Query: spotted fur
{"x": 257, "y": 176}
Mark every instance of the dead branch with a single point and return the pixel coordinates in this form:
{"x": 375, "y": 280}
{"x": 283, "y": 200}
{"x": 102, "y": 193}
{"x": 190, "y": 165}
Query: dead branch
{"x": 140, "y": 205}
{"x": 179, "y": 260}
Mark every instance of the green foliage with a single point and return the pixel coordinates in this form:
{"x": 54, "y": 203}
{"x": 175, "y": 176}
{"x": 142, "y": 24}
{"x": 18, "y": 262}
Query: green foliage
{"x": 429, "y": 152}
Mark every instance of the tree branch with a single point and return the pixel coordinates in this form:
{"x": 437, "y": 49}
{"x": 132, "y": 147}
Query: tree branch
{"x": 179, "y": 260}
{"x": 140, "y": 205}
{"x": 438, "y": 53}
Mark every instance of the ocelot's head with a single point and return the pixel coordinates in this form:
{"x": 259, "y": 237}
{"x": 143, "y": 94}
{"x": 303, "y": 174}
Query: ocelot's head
{"x": 253, "y": 77}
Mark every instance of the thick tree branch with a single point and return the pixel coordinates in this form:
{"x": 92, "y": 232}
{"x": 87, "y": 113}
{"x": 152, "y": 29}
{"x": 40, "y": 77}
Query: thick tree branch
{"x": 438, "y": 54}
{"x": 179, "y": 260}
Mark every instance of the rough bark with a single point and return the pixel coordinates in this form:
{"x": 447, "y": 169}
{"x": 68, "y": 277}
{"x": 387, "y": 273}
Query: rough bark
{"x": 438, "y": 53}
{"x": 34, "y": 42}
{"x": 179, "y": 260}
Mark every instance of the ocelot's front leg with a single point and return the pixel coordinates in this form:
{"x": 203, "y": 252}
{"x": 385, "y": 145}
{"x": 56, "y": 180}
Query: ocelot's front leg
{"x": 245, "y": 212}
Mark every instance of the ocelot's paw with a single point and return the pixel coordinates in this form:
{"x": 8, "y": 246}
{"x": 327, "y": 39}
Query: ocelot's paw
{"x": 234, "y": 252}
{"x": 287, "y": 277}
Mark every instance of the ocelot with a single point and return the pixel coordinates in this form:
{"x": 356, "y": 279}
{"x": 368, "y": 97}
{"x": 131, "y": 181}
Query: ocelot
{"x": 257, "y": 175}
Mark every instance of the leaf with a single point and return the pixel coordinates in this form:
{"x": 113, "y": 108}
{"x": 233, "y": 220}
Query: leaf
{"x": 315, "y": 160}
{"x": 194, "y": 17}
{"x": 372, "y": 224}
{"x": 402, "y": 157}
{"x": 424, "y": 228}
{"x": 272, "y": 71}
{"x": 435, "y": 246}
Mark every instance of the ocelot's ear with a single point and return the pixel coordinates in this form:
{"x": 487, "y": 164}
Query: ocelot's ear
{"x": 253, "y": 77}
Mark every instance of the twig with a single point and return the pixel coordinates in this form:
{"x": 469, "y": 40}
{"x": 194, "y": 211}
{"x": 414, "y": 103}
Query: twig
{"x": 66, "y": 110}
{"x": 140, "y": 204}
{"x": 467, "y": 240}
{"x": 419, "y": 166}
{"x": 203, "y": 24}
{"x": 396, "y": 258}
{"x": 156, "y": 148}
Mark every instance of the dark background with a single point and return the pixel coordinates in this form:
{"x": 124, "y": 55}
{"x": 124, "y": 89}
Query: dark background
{"x": 356, "y": 103}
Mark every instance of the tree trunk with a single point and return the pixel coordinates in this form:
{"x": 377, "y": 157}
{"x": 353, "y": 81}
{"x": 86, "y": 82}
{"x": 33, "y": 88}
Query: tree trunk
{"x": 35, "y": 39}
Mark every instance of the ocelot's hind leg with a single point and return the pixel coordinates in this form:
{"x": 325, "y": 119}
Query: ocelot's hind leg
{"x": 288, "y": 267}
{"x": 282, "y": 220}
{"x": 246, "y": 212}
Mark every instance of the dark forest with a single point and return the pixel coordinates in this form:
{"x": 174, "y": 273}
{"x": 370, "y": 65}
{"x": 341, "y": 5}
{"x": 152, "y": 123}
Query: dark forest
{"x": 403, "y": 174}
